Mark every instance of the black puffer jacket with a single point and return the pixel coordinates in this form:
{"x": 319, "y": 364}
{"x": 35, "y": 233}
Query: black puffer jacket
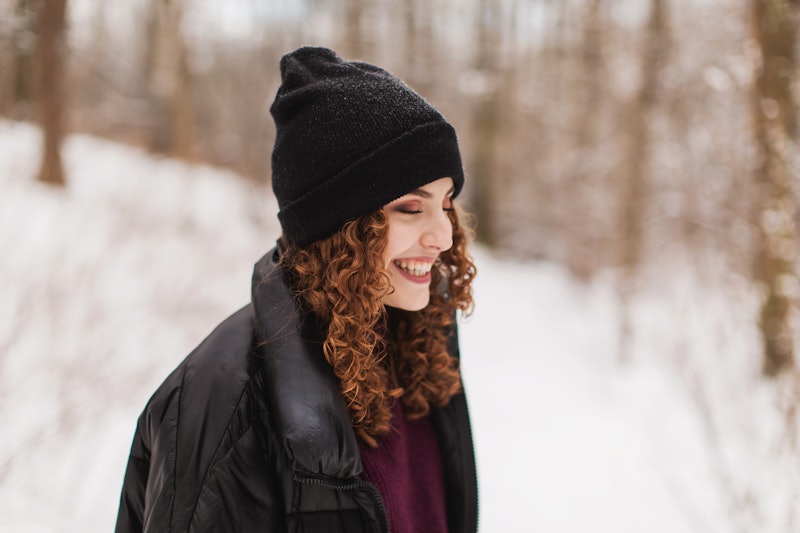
{"x": 250, "y": 433}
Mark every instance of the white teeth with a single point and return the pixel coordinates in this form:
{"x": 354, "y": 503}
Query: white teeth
{"x": 415, "y": 268}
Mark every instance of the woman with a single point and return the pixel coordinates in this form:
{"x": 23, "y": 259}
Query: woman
{"x": 331, "y": 402}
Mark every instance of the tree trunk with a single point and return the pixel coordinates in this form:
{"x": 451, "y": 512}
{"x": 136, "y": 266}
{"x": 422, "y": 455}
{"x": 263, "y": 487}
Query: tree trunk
{"x": 170, "y": 80}
{"x": 775, "y": 120}
{"x": 582, "y": 251}
{"x": 353, "y": 34}
{"x": 49, "y": 86}
{"x": 410, "y": 36}
{"x": 419, "y": 46}
{"x": 486, "y": 121}
{"x": 16, "y": 82}
{"x": 637, "y": 156}
{"x": 638, "y": 140}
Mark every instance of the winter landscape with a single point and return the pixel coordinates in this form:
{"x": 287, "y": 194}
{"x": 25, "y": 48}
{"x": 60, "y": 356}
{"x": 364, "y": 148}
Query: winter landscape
{"x": 106, "y": 285}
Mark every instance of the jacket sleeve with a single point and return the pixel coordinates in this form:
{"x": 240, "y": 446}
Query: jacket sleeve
{"x": 130, "y": 517}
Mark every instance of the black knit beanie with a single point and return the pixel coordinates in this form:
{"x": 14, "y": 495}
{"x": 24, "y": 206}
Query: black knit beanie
{"x": 350, "y": 138}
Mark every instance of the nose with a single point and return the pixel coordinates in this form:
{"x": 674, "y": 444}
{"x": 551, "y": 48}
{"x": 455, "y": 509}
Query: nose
{"x": 439, "y": 233}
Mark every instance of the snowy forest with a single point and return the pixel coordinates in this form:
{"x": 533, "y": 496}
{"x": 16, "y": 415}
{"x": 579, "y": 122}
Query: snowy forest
{"x": 633, "y": 169}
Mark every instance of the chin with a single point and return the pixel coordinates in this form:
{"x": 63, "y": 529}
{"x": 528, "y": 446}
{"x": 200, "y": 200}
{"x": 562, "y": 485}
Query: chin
{"x": 407, "y": 304}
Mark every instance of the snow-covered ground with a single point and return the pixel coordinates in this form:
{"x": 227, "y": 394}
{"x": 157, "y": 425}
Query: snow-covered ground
{"x": 106, "y": 285}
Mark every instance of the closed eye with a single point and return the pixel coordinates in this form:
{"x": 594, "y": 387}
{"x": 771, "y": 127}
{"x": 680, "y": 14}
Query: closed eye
{"x": 413, "y": 207}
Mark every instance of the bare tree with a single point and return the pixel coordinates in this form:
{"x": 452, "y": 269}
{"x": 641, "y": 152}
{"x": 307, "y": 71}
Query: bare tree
{"x": 775, "y": 119}
{"x": 170, "y": 79}
{"x": 16, "y": 53}
{"x": 419, "y": 46}
{"x": 49, "y": 86}
{"x": 582, "y": 169}
{"x": 486, "y": 119}
{"x": 637, "y": 155}
{"x": 353, "y": 32}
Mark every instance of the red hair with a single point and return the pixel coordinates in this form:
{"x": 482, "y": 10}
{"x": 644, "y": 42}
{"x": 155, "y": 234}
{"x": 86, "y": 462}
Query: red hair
{"x": 379, "y": 356}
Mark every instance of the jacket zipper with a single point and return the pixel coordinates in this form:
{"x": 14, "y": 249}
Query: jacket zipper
{"x": 474, "y": 466}
{"x": 355, "y": 484}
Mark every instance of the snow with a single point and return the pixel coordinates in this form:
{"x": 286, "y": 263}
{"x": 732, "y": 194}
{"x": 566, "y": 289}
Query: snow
{"x": 587, "y": 445}
{"x": 106, "y": 285}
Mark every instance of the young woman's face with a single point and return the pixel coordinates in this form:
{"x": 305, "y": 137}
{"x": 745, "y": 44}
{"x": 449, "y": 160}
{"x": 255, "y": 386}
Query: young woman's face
{"x": 419, "y": 230}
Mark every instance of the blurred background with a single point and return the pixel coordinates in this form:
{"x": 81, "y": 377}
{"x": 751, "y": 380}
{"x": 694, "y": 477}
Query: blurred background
{"x": 648, "y": 147}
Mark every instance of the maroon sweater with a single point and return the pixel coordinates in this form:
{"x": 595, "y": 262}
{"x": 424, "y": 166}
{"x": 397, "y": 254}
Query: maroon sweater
{"x": 406, "y": 467}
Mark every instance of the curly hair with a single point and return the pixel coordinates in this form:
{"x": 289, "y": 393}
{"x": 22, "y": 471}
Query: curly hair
{"x": 379, "y": 356}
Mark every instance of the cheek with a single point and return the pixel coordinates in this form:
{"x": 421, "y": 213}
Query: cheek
{"x": 398, "y": 240}
{"x": 392, "y": 250}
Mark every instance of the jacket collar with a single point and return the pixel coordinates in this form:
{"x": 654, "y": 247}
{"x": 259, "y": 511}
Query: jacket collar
{"x": 310, "y": 415}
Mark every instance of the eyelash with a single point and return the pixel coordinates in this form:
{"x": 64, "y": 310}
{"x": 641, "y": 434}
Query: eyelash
{"x": 418, "y": 211}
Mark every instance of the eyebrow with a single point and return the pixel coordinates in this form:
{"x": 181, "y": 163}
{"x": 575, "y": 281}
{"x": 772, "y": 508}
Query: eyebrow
{"x": 422, "y": 193}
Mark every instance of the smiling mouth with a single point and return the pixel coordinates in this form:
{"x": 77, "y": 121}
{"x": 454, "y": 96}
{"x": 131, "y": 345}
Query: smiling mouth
{"x": 417, "y": 269}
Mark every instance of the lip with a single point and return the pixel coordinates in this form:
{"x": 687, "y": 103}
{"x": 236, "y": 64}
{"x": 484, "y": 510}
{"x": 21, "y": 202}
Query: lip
{"x": 421, "y": 280}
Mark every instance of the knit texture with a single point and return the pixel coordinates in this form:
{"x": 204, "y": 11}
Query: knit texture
{"x": 350, "y": 138}
{"x": 406, "y": 468}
